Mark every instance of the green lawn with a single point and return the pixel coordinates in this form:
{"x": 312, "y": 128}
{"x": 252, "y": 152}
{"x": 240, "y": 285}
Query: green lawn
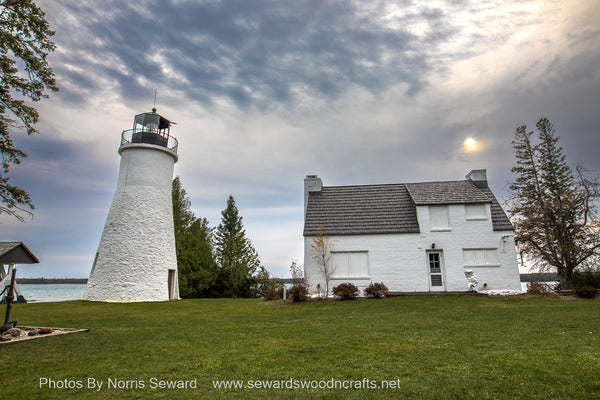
{"x": 434, "y": 347}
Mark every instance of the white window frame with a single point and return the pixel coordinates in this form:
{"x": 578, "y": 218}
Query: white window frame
{"x": 480, "y": 217}
{"x": 339, "y": 275}
{"x": 439, "y": 228}
{"x": 490, "y": 258}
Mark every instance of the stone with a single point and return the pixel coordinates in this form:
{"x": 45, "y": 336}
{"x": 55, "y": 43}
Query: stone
{"x": 5, "y": 338}
{"x": 44, "y": 331}
{"x": 32, "y": 332}
{"x": 16, "y": 332}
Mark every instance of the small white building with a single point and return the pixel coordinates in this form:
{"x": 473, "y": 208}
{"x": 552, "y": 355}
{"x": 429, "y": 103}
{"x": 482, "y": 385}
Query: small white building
{"x": 413, "y": 237}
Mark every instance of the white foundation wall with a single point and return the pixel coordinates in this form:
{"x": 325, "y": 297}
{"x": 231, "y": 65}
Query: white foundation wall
{"x": 400, "y": 261}
{"x": 137, "y": 248}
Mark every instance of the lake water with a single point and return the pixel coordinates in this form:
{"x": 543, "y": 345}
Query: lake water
{"x": 46, "y": 293}
{"x": 524, "y": 285}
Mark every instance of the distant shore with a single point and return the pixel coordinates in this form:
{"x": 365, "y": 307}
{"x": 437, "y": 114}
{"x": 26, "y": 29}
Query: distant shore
{"x": 539, "y": 277}
{"x": 42, "y": 281}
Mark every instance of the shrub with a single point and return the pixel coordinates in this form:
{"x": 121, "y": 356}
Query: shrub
{"x": 586, "y": 278}
{"x": 345, "y": 291}
{"x": 539, "y": 288}
{"x": 298, "y": 293}
{"x": 376, "y": 290}
{"x": 586, "y": 292}
{"x": 272, "y": 294}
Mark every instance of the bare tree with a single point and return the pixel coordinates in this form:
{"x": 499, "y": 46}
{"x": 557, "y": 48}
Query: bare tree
{"x": 322, "y": 255}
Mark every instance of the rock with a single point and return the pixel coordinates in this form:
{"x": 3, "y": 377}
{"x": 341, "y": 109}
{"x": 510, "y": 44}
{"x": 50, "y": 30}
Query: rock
{"x": 16, "y": 332}
{"x": 5, "y": 338}
{"x": 44, "y": 331}
{"x": 32, "y": 332}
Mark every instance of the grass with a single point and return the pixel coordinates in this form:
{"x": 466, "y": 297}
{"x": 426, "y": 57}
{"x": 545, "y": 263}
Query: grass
{"x": 434, "y": 347}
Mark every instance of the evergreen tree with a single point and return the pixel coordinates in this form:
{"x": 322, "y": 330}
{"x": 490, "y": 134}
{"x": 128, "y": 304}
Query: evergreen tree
{"x": 194, "y": 246}
{"x": 552, "y": 208}
{"x": 24, "y": 74}
{"x": 183, "y": 217}
{"x": 196, "y": 263}
{"x": 235, "y": 255}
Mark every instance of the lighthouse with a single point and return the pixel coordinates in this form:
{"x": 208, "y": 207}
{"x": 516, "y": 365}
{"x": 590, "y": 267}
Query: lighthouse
{"x": 136, "y": 259}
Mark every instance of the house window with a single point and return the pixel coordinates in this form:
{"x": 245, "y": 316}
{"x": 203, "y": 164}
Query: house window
{"x": 475, "y": 211}
{"x": 350, "y": 264}
{"x": 481, "y": 257}
{"x": 438, "y": 216}
{"x": 435, "y": 267}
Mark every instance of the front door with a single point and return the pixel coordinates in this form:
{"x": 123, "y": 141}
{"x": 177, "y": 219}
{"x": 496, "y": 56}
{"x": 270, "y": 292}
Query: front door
{"x": 173, "y": 286}
{"x": 435, "y": 260}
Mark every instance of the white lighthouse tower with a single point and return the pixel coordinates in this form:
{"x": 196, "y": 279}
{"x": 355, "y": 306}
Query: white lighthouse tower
{"x": 136, "y": 259}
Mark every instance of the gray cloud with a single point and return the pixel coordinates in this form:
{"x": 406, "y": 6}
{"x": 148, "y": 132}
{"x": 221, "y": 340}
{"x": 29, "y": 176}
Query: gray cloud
{"x": 252, "y": 52}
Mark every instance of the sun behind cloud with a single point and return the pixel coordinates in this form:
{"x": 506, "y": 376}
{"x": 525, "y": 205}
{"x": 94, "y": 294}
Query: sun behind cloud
{"x": 471, "y": 145}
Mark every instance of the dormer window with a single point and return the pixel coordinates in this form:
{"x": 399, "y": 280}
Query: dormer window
{"x": 438, "y": 216}
{"x": 475, "y": 212}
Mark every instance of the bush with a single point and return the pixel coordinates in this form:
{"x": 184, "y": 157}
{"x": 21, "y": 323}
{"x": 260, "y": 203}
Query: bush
{"x": 376, "y": 290}
{"x": 273, "y": 294}
{"x": 587, "y": 278}
{"x": 539, "y": 288}
{"x": 345, "y": 291}
{"x": 298, "y": 293}
{"x": 586, "y": 292}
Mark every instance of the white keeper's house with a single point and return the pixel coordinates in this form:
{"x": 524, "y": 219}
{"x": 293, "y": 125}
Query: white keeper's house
{"x": 413, "y": 237}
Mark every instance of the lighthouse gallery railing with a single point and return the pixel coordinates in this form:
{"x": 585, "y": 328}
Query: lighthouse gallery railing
{"x": 142, "y": 136}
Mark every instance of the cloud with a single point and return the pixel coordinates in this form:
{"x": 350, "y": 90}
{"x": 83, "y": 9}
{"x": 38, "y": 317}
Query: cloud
{"x": 251, "y": 53}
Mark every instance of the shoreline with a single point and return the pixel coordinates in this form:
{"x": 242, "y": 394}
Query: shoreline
{"x": 49, "y": 281}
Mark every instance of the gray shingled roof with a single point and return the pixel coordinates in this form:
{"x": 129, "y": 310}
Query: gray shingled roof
{"x": 378, "y": 209}
{"x": 500, "y": 221}
{"x": 450, "y": 192}
{"x": 353, "y": 210}
{"x": 16, "y": 253}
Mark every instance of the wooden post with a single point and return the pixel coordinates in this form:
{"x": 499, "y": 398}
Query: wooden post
{"x": 9, "y": 299}
{"x": 5, "y": 281}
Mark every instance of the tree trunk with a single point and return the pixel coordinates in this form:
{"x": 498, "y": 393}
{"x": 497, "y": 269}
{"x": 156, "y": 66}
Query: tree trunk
{"x": 565, "y": 276}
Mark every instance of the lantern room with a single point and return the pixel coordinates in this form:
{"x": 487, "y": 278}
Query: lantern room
{"x": 150, "y": 128}
{"x": 151, "y": 122}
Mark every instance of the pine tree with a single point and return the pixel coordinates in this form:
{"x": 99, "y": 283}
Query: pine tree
{"x": 196, "y": 264}
{"x": 235, "y": 255}
{"x": 24, "y": 75}
{"x": 183, "y": 217}
{"x": 194, "y": 247}
{"x": 552, "y": 208}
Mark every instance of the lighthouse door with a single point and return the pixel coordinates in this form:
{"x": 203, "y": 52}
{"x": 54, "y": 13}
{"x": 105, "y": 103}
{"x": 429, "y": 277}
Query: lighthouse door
{"x": 172, "y": 284}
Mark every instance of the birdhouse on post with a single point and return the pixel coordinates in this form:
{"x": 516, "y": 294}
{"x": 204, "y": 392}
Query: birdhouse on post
{"x": 136, "y": 259}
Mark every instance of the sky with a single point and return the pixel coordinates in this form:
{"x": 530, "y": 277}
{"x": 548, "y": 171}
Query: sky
{"x": 267, "y": 92}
